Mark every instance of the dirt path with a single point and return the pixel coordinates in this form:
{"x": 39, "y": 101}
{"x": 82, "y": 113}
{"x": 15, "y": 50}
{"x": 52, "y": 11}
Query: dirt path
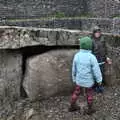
{"x": 107, "y": 107}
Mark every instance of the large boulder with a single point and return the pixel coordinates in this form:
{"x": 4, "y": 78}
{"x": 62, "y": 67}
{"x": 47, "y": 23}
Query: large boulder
{"x": 10, "y": 75}
{"x": 49, "y": 74}
{"x": 112, "y": 76}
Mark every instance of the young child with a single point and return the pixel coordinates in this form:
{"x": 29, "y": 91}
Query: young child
{"x": 84, "y": 69}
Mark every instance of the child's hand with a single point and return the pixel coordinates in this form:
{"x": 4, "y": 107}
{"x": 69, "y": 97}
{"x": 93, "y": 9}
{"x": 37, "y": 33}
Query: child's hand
{"x": 74, "y": 83}
{"x": 99, "y": 88}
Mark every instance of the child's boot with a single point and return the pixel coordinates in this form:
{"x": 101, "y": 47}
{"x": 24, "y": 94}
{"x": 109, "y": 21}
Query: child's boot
{"x": 74, "y": 107}
{"x": 90, "y": 110}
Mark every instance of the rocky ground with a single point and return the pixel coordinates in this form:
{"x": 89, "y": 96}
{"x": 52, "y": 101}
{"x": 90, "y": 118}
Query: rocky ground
{"x": 107, "y": 107}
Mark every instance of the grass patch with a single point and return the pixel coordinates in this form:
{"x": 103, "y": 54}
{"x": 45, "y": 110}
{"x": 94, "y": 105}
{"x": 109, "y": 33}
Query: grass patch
{"x": 59, "y": 15}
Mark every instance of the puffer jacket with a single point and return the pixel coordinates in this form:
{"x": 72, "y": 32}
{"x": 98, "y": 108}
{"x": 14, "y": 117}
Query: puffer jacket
{"x": 85, "y": 69}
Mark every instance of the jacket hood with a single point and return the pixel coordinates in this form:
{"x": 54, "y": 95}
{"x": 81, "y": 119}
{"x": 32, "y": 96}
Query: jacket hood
{"x": 96, "y": 29}
{"x": 86, "y": 43}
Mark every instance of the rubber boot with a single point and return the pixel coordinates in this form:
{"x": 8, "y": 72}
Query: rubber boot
{"x": 74, "y": 107}
{"x": 90, "y": 110}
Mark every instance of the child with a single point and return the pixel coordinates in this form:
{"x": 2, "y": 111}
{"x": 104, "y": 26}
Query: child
{"x": 85, "y": 68}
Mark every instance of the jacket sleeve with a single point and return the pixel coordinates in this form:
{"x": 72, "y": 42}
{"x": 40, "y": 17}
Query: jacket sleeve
{"x": 96, "y": 69}
{"x": 74, "y": 69}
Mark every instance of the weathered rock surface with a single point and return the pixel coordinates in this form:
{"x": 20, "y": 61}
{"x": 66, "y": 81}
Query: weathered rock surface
{"x": 41, "y": 8}
{"x": 108, "y": 25}
{"x": 10, "y": 75}
{"x": 112, "y": 71}
{"x": 17, "y": 37}
{"x": 48, "y": 74}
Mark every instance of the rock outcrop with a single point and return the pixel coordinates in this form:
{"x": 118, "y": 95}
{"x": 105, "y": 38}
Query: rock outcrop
{"x": 10, "y": 75}
{"x": 49, "y": 74}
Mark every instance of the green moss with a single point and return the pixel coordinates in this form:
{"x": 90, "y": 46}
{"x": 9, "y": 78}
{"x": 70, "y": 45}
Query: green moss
{"x": 59, "y": 15}
{"x": 86, "y": 15}
{"x": 116, "y": 16}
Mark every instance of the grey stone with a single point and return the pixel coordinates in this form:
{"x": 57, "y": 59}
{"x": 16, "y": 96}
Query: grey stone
{"x": 10, "y": 75}
{"x": 67, "y": 38}
{"x": 106, "y": 24}
{"x": 40, "y": 8}
{"x": 106, "y": 8}
{"x": 112, "y": 71}
{"x": 48, "y": 74}
{"x": 110, "y": 75}
{"x": 18, "y": 37}
{"x": 116, "y": 25}
{"x": 8, "y": 38}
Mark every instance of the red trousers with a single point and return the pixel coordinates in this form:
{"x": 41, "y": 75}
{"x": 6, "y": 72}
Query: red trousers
{"x": 76, "y": 93}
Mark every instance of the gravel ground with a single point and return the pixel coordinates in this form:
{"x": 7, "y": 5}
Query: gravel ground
{"x": 107, "y": 107}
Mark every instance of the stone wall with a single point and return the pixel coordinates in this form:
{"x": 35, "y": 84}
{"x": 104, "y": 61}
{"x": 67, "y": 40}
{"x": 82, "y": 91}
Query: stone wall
{"x": 12, "y": 37}
{"x": 17, "y": 37}
{"x": 106, "y": 24}
{"x": 113, "y": 50}
{"x": 58, "y": 61}
{"x": 38, "y": 8}
{"x": 10, "y": 75}
{"x": 104, "y": 8}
